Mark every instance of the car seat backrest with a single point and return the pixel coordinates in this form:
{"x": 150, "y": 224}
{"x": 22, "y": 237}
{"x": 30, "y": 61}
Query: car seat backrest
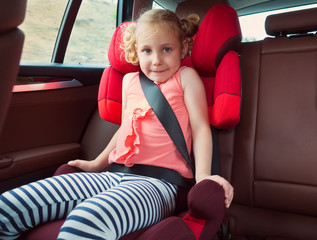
{"x": 11, "y": 40}
{"x": 274, "y": 146}
{"x": 215, "y": 59}
{"x": 207, "y": 57}
{"x": 110, "y": 89}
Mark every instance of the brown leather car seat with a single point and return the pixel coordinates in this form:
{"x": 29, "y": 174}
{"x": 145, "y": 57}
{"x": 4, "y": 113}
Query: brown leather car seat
{"x": 11, "y": 41}
{"x": 271, "y": 157}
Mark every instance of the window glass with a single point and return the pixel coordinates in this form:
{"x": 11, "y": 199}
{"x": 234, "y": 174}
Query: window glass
{"x": 253, "y": 26}
{"x": 41, "y": 24}
{"x": 92, "y": 32}
{"x": 156, "y": 5}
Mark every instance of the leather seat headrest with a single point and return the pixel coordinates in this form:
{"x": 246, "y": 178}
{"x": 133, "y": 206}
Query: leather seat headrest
{"x": 296, "y": 22}
{"x": 12, "y": 14}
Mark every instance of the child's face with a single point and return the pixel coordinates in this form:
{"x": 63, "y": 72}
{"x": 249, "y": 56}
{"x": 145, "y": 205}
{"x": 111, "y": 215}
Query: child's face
{"x": 160, "y": 51}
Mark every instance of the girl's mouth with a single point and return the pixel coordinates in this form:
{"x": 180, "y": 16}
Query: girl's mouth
{"x": 158, "y": 71}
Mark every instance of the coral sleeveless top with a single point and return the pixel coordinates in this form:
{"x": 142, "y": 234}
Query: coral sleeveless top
{"x": 142, "y": 139}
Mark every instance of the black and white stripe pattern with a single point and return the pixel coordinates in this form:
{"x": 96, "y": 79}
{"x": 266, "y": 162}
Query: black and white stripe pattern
{"x": 98, "y": 205}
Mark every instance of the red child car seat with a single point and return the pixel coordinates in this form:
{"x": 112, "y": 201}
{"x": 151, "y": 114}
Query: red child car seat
{"x": 110, "y": 89}
{"x": 213, "y": 57}
{"x": 217, "y": 63}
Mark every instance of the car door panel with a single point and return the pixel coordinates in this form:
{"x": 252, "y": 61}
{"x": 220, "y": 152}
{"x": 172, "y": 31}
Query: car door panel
{"x": 43, "y": 128}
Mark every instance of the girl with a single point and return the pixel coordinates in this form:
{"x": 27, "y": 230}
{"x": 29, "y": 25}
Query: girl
{"x": 108, "y": 205}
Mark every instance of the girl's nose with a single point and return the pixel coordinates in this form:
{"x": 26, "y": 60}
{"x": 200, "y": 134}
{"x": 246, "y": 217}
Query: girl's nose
{"x": 157, "y": 59}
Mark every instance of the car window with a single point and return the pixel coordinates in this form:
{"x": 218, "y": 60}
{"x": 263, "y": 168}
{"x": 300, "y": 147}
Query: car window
{"x": 89, "y": 39}
{"x": 155, "y": 5}
{"x": 40, "y": 27}
{"x": 253, "y": 26}
{"x": 92, "y": 32}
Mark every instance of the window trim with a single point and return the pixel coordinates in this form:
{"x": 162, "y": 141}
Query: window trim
{"x": 124, "y": 11}
{"x": 47, "y": 86}
{"x": 83, "y": 74}
{"x": 65, "y": 30}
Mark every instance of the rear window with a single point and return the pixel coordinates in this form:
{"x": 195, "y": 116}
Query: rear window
{"x": 253, "y": 26}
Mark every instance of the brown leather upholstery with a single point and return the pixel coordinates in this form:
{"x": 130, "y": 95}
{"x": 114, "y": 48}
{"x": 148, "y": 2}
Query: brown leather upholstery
{"x": 271, "y": 156}
{"x": 11, "y": 40}
{"x": 292, "y": 22}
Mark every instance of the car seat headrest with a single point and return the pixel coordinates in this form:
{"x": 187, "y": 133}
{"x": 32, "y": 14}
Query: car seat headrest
{"x": 218, "y": 33}
{"x": 296, "y": 22}
{"x": 110, "y": 88}
{"x": 185, "y": 8}
{"x": 12, "y": 14}
{"x": 116, "y": 51}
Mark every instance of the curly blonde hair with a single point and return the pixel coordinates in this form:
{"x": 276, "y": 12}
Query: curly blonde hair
{"x": 185, "y": 28}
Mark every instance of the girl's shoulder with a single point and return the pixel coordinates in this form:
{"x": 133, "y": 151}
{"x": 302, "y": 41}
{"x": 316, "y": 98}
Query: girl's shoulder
{"x": 129, "y": 76}
{"x": 187, "y": 68}
{"x": 188, "y": 76}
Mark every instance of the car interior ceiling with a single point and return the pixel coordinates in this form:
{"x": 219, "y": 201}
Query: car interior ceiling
{"x": 270, "y": 157}
{"x": 243, "y": 7}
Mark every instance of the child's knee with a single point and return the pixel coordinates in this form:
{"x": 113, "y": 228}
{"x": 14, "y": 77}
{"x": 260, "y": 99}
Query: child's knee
{"x": 86, "y": 222}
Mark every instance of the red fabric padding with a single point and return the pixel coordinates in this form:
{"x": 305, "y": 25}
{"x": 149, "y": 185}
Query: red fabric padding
{"x": 209, "y": 88}
{"x": 116, "y": 52}
{"x": 225, "y": 113}
{"x": 228, "y": 77}
{"x": 187, "y": 61}
{"x": 110, "y": 111}
{"x": 195, "y": 224}
{"x": 110, "y": 95}
{"x": 110, "y": 89}
{"x": 219, "y": 32}
{"x": 218, "y": 65}
{"x": 223, "y": 89}
{"x": 110, "y": 86}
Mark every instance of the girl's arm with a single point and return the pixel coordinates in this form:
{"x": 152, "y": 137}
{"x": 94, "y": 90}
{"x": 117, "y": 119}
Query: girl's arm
{"x": 196, "y": 104}
{"x": 101, "y": 162}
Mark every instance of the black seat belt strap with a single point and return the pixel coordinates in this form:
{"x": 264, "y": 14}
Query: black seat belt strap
{"x": 165, "y": 114}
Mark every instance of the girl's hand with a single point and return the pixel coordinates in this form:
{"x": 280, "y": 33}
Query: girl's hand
{"x": 228, "y": 189}
{"x": 87, "y": 166}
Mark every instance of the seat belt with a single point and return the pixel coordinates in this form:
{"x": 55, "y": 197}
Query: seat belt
{"x": 166, "y": 115}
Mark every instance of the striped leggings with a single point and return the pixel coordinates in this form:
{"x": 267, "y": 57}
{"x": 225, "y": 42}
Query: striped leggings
{"x": 97, "y": 205}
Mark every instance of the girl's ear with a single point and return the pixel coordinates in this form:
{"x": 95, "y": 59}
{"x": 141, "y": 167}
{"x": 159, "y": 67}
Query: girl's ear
{"x": 185, "y": 47}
